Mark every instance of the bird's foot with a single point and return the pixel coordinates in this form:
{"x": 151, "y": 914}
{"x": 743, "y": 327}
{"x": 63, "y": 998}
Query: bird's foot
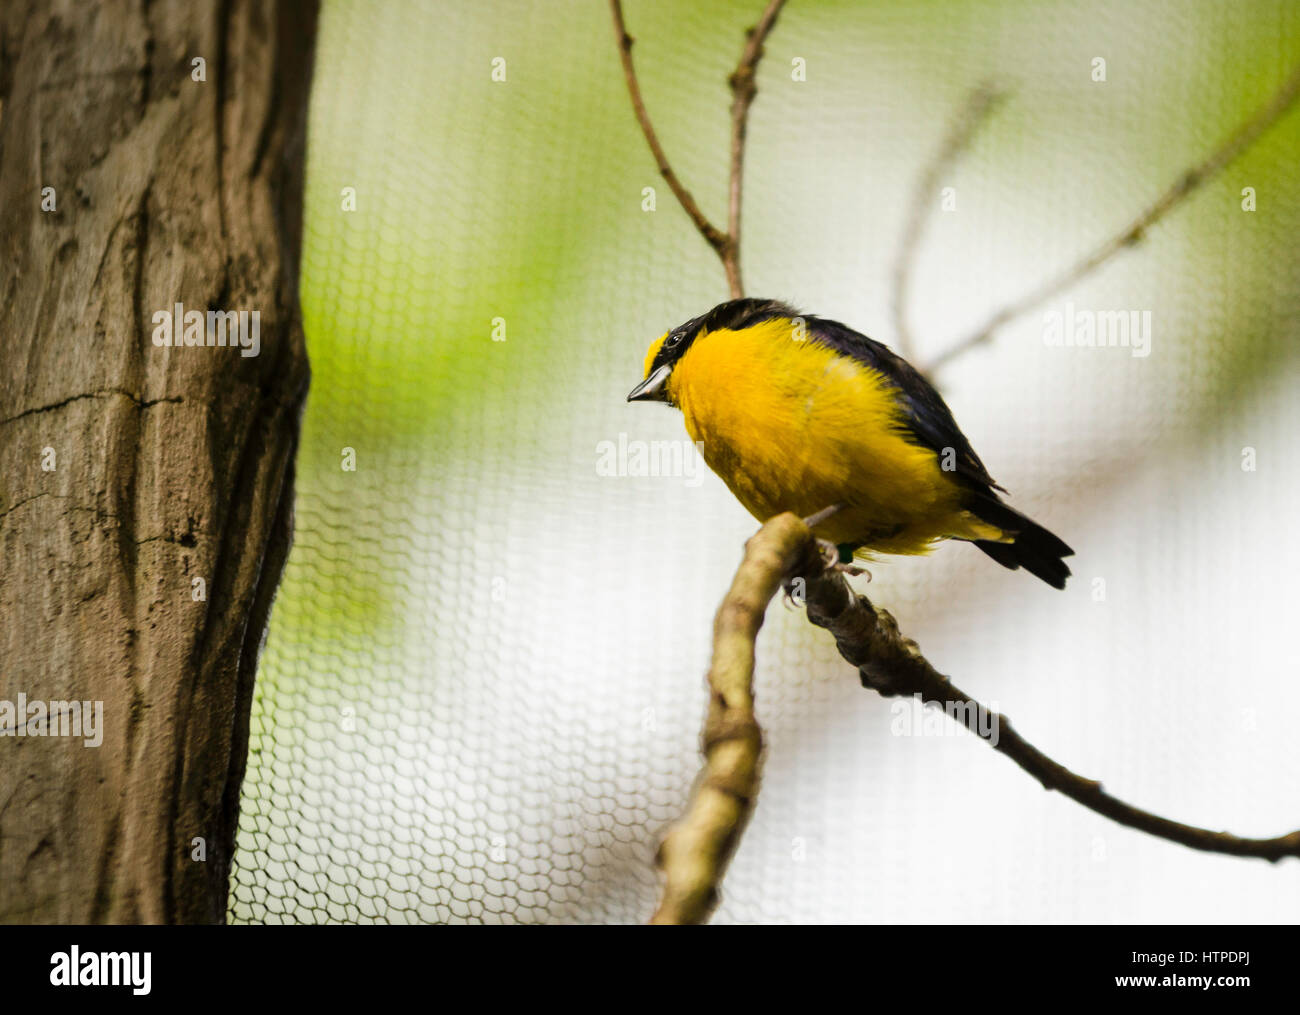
{"x": 840, "y": 558}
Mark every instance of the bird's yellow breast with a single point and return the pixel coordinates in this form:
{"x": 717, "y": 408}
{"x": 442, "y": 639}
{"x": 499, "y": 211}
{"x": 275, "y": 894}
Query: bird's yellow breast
{"x": 789, "y": 424}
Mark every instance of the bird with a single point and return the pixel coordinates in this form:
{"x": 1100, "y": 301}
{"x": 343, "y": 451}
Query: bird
{"x": 799, "y": 413}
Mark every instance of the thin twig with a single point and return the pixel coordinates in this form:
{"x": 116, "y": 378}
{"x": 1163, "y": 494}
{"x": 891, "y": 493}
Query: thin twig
{"x": 1239, "y": 141}
{"x": 715, "y": 237}
{"x": 891, "y": 664}
{"x": 695, "y": 852}
{"x": 979, "y": 106}
{"x": 743, "y": 89}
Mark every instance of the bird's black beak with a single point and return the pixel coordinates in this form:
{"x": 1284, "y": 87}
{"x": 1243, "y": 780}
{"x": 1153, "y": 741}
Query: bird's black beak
{"x": 654, "y": 388}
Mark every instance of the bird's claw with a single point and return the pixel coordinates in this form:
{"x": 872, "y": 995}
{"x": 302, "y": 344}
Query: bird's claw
{"x": 831, "y": 559}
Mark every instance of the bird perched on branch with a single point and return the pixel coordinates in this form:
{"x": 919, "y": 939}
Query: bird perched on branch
{"x": 796, "y": 413}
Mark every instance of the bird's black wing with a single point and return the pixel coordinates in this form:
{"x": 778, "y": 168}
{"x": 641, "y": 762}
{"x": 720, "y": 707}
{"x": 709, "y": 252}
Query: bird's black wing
{"x": 926, "y": 417}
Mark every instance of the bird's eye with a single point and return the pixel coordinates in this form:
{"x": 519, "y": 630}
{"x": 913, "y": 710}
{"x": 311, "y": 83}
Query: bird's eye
{"x": 673, "y": 339}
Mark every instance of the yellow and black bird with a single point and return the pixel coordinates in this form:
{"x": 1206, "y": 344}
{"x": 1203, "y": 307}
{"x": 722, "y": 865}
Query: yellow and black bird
{"x": 796, "y": 413}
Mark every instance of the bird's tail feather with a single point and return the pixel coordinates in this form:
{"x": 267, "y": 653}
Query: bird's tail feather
{"x": 1034, "y": 548}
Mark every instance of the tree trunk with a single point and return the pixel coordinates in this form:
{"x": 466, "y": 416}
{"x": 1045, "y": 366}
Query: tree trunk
{"x": 128, "y": 469}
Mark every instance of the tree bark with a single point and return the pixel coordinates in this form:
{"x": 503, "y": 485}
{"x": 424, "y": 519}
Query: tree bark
{"x": 128, "y": 470}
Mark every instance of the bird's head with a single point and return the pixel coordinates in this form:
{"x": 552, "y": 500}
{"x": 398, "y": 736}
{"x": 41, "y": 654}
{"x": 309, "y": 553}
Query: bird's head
{"x": 660, "y": 358}
{"x": 666, "y": 351}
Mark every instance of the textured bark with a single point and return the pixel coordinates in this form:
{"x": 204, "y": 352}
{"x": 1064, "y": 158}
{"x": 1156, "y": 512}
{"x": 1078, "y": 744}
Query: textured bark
{"x": 171, "y": 463}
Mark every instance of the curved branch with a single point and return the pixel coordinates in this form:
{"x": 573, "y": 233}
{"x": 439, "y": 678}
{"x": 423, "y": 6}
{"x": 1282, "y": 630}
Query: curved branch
{"x": 892, "y": 665}
{"x": 715, "y": 237}
{"x": 1190, "y": 180}
{"x": 697, "y": 848}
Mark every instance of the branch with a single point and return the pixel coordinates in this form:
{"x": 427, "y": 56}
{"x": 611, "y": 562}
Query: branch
{"x": 892, "y": 665}
{"x": 1190, "y": 180}
{"x": 715, "y": 237}
{"x": 697, "y": 848}
{"x": 979, "y": 106}
{"x": 743, "y": 89}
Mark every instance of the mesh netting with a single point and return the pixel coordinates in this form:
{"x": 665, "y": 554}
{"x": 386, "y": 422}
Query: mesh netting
{"x": 481, "y": 693}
